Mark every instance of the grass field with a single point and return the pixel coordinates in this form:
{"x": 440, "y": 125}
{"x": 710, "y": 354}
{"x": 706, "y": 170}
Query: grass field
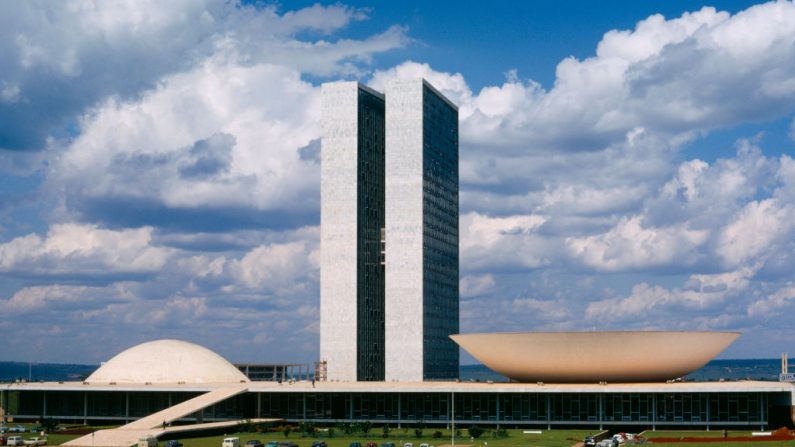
{"x": 516, "y": 438}
{"x": 651, "y": 435}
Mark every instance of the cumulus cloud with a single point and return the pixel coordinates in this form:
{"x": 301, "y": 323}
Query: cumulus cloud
{"x": 180, "y": 159}
{"x": 66, "y": 56}
{"x": 701, "y": 71}
{"x": 83, "y": 249}
{"x": 221, "y": 136}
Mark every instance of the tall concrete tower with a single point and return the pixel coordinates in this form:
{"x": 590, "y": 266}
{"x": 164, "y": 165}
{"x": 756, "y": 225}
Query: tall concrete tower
{"x": 421, "y": 197}
{"x": 389, "y": 232}
{"x": 351, "y": 224}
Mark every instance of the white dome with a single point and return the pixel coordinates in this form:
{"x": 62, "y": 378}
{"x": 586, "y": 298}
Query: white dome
{"x": 167, "y": 361}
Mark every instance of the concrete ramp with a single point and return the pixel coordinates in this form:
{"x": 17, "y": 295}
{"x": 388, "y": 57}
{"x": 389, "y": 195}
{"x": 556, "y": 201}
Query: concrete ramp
{"x": 180, "y": 410}
{"x": 153, "y": 425}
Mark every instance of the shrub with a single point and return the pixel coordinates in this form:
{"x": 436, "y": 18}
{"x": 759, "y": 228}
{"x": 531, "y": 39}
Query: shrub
{"x": 436, "y": 435}
{"x": 287, "y": 431}
{"x": 418, "y": 432}
{"x": 475, "y": 431}
{"x": 385, "y": 431}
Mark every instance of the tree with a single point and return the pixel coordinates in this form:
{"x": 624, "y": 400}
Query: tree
{"x": 475, "y": 431}
{"x": 287, "y": 431}
{"x": 385, "y": 431}
{"x": 365, "y": 427}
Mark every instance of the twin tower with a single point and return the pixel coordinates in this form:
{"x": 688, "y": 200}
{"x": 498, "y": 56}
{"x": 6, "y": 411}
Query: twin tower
{"x": 388, "y": 233}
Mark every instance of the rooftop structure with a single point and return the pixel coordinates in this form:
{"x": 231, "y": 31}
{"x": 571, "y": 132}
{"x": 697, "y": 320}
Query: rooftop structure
{"x": 167, "y": 361}
{"x": 619, "y": 356}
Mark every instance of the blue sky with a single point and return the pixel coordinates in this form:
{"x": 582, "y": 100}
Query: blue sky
{"x": 624, "y": 165}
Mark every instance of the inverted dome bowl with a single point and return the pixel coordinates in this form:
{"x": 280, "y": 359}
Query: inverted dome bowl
{"x": 572, "y": 357}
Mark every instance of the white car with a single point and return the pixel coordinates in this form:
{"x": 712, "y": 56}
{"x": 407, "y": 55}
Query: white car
{"x": 15, "y": 440}
{"x": 36, "y": 441}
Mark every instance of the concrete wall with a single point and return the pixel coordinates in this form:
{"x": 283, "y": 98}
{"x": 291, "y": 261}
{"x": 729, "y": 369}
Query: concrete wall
{"x": 404, "y": 226}
{"x": 338, "y": 202}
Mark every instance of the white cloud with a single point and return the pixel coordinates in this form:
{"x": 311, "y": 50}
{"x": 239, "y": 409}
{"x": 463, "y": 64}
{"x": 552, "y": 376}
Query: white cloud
{"x": 475, "y": 285}
{"x": 83, "y": 249}
{"x": 647, "y": 303}
{"x": 700, "y": 71}
{"x": 221, "y": 135}
{"x": 276, "y": 266}
{"x": 630, "y": 246}
{"x": 755, "y": 230}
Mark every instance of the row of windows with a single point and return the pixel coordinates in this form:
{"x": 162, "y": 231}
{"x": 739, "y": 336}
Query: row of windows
{"x": 504, "y": 407}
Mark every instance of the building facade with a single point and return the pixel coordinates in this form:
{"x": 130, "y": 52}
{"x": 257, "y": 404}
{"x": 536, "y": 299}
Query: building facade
{"x": 389, "y": 233}
{"x": 744, "y": 404}
{"x": 421, "y": 233}
{"x": 351, "y": 228}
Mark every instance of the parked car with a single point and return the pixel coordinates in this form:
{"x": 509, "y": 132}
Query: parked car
{"x": 388, "y": 444}
{"x": 15, "y": 440}
{"x": 231, "y": 442}
{"x": 372, "y": 444}
{"x": 36, "y": 441}
{"x": 408, "y": 444}
{"x": 589, "y": 441}
{"x": 254, "y": 443}
{"x": 319, "y": 444}
{"x": 173, "y": 443}
{"x": 355, "y": 444}
{"x": 425, "y": 445}
{"x": 35, "y": 429}
{"x": 16, "y": 429}
{"x": 3, "y": 439}
{"x": 288, "y": 444}
{"x": 272, "y": 444}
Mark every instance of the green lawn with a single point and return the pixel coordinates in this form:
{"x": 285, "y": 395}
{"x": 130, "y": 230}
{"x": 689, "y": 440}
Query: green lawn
{"x": 710, "y": 434}
{"x": 553, "y": 438}
{"x": 725, "y": 444}
{"x": 694, "y": 434}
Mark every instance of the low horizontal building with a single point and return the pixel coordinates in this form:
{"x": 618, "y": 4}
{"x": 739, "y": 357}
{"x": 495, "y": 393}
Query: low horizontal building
{"x": 145, "y": 391}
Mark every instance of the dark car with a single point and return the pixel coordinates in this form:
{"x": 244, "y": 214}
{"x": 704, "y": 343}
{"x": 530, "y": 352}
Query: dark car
{"x": 589, "y": 441}
{"x": 2, "y": 439}
{"x": 254, "y": 443}
{"x": 319, "y": 444}
{"x": 355, "y": 444}
{"x": 173, "y": 443}
{"x": 388, "y": 444}
{"x": 372, "y": 444}
{"x": 288, "y": 444}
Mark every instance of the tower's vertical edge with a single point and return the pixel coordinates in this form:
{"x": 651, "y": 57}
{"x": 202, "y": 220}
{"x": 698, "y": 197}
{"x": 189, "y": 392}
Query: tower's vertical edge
{"x": 338, "y": 224}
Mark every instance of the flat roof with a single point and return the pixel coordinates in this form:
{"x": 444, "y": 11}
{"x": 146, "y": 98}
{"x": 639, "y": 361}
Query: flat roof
{"x": 424, "y": 387}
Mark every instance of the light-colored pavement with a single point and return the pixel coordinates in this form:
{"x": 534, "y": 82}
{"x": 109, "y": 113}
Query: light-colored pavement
{"x": 186, "y": 408}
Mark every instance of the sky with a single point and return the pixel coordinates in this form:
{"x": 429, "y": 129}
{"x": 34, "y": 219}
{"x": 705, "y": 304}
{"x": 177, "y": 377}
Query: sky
{"x": 624, "y": 166}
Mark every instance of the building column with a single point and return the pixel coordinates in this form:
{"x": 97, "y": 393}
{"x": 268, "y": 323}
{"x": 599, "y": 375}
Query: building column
{"x": 85, "y": 407}
{"x": 44, "y": 405}
{"x": 709, "y": 419}
{"x": 304, "y": 399}
{"x": 654, "y": 412}
{"x": 549, "y": 413}
{"x": 126, "y": 406}
{"x": 497, "y": 416}
{"x": 350, "y": 409}
{"x": 601, "y": 415}
{"x": 400, "y": 414}
{"x": 259, "y": 405}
